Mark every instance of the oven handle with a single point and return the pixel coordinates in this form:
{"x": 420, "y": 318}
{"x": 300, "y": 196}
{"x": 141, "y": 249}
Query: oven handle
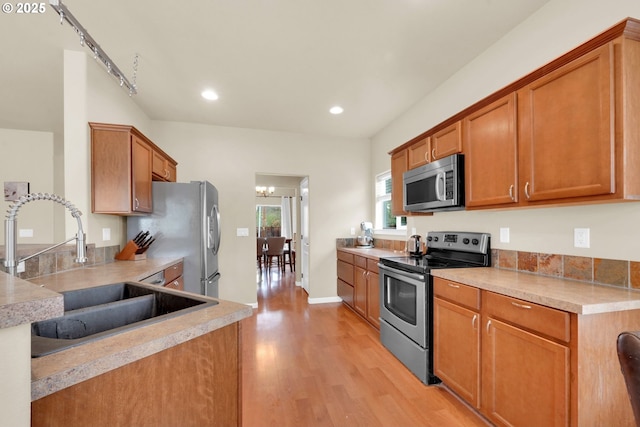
{"x": 395, "y": 271}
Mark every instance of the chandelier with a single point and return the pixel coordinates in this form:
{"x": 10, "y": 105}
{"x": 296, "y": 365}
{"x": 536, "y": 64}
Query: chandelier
{"x": 264, "y": 191}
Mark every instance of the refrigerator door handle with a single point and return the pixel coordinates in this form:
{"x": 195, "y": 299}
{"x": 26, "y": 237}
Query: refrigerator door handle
{"x": 213, "y": 225}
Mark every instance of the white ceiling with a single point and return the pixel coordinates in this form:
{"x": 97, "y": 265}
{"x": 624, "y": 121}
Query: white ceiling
{"x": 276, "y": 64}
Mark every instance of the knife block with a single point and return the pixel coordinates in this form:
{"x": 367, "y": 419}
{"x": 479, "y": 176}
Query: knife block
{"x": 129, "y": 253}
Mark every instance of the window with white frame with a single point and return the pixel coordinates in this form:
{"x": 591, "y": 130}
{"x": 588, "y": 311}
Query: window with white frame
{"x": 385, "y": 220}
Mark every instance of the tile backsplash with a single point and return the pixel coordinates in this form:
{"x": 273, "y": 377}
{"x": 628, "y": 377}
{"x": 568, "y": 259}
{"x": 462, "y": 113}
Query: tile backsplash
{"x": 62, "y": 259}
{"x": 612, "y": 272}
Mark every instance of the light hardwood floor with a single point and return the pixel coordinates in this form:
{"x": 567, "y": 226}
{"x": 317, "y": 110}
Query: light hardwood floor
{"x": 321, "y": 365}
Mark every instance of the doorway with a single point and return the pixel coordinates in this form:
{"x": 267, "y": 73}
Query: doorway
{"x": 278, "y": 212}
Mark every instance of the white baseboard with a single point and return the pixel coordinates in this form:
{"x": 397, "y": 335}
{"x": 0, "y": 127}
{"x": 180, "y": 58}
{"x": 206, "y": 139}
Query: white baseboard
{"x": 298, "y": 284}
{"x": 325, "y": 300}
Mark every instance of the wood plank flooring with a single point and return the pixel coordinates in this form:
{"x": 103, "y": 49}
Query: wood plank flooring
{"x": 321, "y": 365}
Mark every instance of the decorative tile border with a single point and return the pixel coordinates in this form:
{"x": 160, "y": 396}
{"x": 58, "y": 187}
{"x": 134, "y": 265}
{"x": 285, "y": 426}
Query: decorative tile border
{"x": 612, "y": 272}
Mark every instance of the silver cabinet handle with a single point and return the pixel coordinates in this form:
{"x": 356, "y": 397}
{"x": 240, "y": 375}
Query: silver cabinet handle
{"x": 526, "y": 307}
{"x": 433, "y": 153}
{"x": 137, "y": 203}
{"x": 511, "y": 193}
{"x": 453, "y": 285}
{"x": 488, "y": 326}
{"x": 426, "y": 156}
{"x": 526, "y": 191}
{"x": 473, "y": 321}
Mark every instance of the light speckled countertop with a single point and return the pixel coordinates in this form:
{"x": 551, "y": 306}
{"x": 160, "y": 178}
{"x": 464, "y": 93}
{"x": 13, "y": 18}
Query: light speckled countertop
{"x": 21, "y": 302}
{"x": 567, "y": 295}
{"x": 373, "y": 253}
{"x": 26, "y": 302}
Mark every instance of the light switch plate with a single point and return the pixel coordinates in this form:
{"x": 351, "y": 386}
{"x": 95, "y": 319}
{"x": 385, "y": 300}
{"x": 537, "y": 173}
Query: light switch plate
{"x": 504, "y": 235}
{"x": 25, "y": 232}
{"x": 106, "y": 234}
{"x": 242, "y": 232}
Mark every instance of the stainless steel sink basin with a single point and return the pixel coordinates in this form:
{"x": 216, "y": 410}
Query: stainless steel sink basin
{"x": 98, "y": 312}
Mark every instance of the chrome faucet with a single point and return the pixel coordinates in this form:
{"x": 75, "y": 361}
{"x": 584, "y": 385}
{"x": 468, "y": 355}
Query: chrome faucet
{"x": 11, "y": 244}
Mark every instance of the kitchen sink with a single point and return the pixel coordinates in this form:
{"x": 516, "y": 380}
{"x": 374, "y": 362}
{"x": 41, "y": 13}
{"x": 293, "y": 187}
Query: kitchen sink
{"x": 102, "y": 311}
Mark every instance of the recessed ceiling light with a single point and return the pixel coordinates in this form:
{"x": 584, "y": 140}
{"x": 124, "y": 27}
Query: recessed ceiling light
{"x": 336, "y": 110}
{"x": 209, "y": 95}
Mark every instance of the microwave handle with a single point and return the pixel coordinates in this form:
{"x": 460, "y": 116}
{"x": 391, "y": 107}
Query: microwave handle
{"x": 440, "y": 194}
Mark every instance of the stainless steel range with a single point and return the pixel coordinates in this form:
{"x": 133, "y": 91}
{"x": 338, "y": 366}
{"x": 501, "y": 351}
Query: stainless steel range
{"x": 406, "y": 295}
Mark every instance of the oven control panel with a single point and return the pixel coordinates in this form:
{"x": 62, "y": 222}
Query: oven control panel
{"x": 460, "y": 241}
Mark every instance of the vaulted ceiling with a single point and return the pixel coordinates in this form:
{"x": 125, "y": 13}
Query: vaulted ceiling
{"x": 275, "y": 64}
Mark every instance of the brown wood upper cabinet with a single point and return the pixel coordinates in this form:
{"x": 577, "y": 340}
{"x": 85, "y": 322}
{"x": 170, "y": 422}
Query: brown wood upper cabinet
{"x": 564, "y": 134}
{"x": 490, "y": 147}
{"x": 399, "y": 165}
{"x": 121, "y": 170}
{"x": 419, "y": 153}
{"x": 163, "y": 167}
{"x": 567, "y": 138}
{"x": 447, "y": 141}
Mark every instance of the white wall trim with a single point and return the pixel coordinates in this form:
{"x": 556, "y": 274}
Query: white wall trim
{"x": 324, "y": 300}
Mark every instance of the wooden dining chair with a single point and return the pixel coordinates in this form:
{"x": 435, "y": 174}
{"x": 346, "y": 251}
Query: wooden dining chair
{"x": 275, "y": 248}
{"x": 260, "y": 242}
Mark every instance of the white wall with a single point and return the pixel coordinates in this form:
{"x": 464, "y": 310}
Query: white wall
{"x": 27, "y": 156}
{"x": 556, "y": 28}
{"x": 92, "y": 95}
{"x": 230, "y": 158}
{"x": 15, "y": 371}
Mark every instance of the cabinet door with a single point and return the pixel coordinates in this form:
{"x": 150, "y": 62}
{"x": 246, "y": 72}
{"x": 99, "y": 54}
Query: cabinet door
{"x": 456, "y": 349}
{"x": 360, "y": 291}
{"x": 447, "y": 141}
{"x": 419, "y": 153}
{"x": 141, "y": 173}
{"x": 399, "y": 165}
{"x": 490, "y": 149}
{"x": 525, "y": 378}
{"x": 566, "y": 130}
{"x": 373, "y": 299}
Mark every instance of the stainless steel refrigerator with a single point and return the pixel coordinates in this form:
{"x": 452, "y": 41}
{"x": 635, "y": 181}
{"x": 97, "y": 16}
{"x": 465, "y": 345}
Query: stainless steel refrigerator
{"x": 185, "y": 223}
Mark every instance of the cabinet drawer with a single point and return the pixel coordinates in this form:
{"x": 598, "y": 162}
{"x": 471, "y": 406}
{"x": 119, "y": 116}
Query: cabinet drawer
{"x": 173, "y": 272}
{"x": 372, "y": 265}
{"x": 176, "y": 284}
{"x": 361, "y": 262}
{"x": 456, "y": 292}
{"x": 346, "y": 257}
{"x": 345, "y": 291}
{"x": 345, "y": 272}
{"x": 545, "y": 320}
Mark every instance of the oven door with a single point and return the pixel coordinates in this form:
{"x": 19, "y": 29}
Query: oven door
{"x": 403, "y": 302}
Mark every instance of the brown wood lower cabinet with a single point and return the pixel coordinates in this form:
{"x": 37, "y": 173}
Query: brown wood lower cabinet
{"x": 358, "y": 285}
{"x": 173, "y": 276}
{"x": 196, "y": 383}
{"x": 525, "y": 364}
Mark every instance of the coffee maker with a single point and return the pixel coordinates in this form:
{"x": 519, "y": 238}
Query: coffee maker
{"x": 414, "y": 246}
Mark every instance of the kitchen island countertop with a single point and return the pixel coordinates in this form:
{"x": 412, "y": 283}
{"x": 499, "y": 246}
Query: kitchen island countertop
{"x": 68, "y": 367}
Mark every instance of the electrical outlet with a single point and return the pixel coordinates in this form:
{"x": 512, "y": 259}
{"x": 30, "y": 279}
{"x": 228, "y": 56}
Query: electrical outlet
{"x": 504, "y": 235}
{"x": 353, "y": 231}
{"x": 581, "y": 238}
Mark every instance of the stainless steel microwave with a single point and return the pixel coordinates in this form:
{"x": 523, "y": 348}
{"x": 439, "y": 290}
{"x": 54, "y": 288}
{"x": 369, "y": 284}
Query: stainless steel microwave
{"x": 436, "y": 186}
